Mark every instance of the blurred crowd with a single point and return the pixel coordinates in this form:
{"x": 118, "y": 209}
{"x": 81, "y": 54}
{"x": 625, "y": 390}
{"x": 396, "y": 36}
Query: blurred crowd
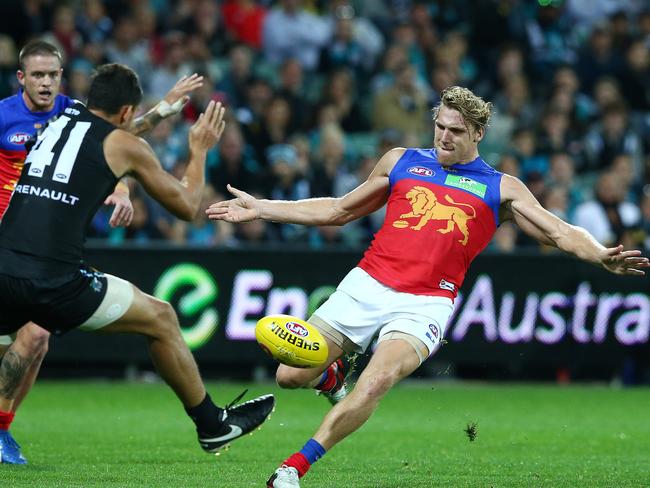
{"x": 317, "y": 90}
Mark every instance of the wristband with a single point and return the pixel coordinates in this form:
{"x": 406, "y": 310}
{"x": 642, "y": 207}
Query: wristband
{"x": 165, "y": 109}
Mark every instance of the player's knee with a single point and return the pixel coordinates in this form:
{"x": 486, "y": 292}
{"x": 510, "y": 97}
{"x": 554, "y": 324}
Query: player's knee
{"x": 376, "y": 385}
{"x": 164, "y": 316}
{"x": 35, "y": 340}
{"x": 288, "y": 378}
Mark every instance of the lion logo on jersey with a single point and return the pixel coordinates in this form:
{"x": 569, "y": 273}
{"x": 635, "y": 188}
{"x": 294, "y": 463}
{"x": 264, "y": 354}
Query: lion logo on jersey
{"x": 426, "y": 206}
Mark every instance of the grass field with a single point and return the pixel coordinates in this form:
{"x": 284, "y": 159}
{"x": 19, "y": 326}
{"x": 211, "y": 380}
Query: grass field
{"x": 93, "y": 434}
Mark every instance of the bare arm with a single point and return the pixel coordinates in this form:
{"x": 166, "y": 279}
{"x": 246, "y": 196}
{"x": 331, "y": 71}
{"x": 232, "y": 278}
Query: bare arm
{"x": 520, "y": 205}
{"x": 172, "y": 104}
{"x": 123, "y": 211}
{"x": 363, "y": 200}
{"x": 126, "y": 153}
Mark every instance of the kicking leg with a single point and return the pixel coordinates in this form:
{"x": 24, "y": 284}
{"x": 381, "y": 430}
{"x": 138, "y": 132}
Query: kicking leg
{"x": 156, "y": 320}
{"x": 393, "y": 360}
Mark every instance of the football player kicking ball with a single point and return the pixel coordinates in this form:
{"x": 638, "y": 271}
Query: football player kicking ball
{"x": 21, "y": 117}
{"x": 444, "y": 205}
{"x": 68, "y": 174}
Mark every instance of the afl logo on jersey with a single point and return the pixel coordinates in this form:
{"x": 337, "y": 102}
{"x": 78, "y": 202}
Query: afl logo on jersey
{"x": 19, "y": 138}
{"x": 420, "y": 171}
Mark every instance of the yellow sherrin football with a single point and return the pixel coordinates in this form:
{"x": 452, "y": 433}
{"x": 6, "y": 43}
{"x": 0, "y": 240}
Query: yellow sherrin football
{"x": 291, "y": 341}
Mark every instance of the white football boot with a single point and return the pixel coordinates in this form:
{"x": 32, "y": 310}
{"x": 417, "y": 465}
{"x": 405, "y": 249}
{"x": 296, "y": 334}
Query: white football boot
{"x": 284, "y": 477}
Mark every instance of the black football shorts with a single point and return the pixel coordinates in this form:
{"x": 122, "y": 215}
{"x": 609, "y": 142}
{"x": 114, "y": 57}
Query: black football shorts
{"x": 57, "y": 304}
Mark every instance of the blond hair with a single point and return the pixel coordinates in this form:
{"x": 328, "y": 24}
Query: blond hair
{"x": 474, "y": 110}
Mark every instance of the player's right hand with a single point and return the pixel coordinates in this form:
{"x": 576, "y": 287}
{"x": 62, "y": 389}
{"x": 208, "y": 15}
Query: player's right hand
{"x": 207, "y": 130}
{"x": 242, "y": 208}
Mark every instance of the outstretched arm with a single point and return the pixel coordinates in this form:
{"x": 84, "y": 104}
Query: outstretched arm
{"x": 521, "y": 206}
{"x": 363, "y": 200}
{"x": 172, "y": 104}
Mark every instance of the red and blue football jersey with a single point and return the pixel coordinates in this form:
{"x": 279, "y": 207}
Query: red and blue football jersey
{"x": 18, "y": 124}
{"x": 437, "y": 221}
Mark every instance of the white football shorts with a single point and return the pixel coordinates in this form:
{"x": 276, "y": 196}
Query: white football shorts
{"x": 362, "y": 308}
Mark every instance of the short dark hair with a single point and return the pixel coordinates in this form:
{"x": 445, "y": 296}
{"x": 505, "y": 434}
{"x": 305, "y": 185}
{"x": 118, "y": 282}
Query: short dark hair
{"x": 37, "y": 48}
{"x": 113, "y": 86}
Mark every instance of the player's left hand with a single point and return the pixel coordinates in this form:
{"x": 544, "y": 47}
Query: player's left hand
{"x": 617, "y": 261}
{"x": 123, "y": 211}
{"x": 178, "y": 96}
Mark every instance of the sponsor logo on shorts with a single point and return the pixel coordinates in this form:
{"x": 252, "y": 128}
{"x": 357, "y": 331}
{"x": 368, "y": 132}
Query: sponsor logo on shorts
{"x": 434, "y": 330}
{"x": 420, "y": 171}
{"x": 296, "y": 329}
{"x": 429, "y": 337}
{"x": 19, "y": 138}
{"x": 96, "y": 285}
{"x": 445, "y": 285}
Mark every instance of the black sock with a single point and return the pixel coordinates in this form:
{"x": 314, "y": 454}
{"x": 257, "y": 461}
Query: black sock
{"x": 207, "y": 416}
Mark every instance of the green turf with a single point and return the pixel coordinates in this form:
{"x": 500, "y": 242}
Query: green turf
{"x": 137, "y": 435}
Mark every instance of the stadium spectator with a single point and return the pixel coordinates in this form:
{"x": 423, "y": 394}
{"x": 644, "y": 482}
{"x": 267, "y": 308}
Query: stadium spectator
{"x": 394, "y": 58}
{"x": 341, "y": 92}
{"x": 403, "y": 106}
{"x": 613, "y": 136}
{"x": 234, "y": 83}
{"x": 635, "y": 76}
{"x": 8, "y": 61}
{"x": 578, "y": 105}
{"x": 274, "y": 129}
{"x": 362, "y": 30}
{"x": 549, "y": 38}
{"x": 92, "y": 22}
{"x": 598, "y": 58}
{"x": 329, "y": 169}
{"x": 505, "y": 238}
{"x": 343, "y": 50}
{"x": 127, "y": 48}
{"x": 202, "y": 19}
{"x": 608, "y": 215}
{"x": 621, "y": 30}
{"x": 292, "y": 88}
{"x": 168, "y": 142}
{"x": 234, "y": 162}
{"x": 398, "y": 291}
{"x": 163, "y": 77}
{"x": 290, "y": 31}
{"x": 562, "y": 174}
{"x": 555, "y": 199}
{"x": 63, "y": 32}
{"x": 244, "y": 20}
{"x": 405, "y": 35}
{"x": 524, "y": 146}
{"x": 509, "y": 164}
{"x": 286, "y": 183}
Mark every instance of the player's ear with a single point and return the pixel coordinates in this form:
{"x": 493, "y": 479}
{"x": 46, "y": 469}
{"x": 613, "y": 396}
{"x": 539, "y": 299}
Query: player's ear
{"x": 126, "y": 114}
{"x": 21, "y": 77}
